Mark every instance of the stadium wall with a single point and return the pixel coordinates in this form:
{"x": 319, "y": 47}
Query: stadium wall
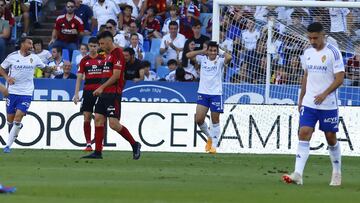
{"x": 170, "y": 127}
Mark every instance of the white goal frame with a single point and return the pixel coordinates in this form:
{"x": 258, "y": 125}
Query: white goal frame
{"x": 286, "y": 3}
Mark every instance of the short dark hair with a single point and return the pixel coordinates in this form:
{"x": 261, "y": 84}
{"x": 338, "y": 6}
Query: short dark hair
{"x": 173, "y": 23}
{"x": 134, "y": 34}
{"x": 105, "y": 34}
{"x": 196, "y": 23}
{"x": 58, "y": 49}
{"x": 38, "y": 41}
{"x": 112, "y": 22}
{"x": 71, "y": 1}
{"x": 130, "y": 51}
{"x": 171, "y": 62}
{"x": 146, "y": 64}
{"x": 93, "y": 40}
{"x": 128, "y": 6}
{"x": 23, "y": 39}
{"x": 212, "y": 44}
{"x": 315, "y": 27}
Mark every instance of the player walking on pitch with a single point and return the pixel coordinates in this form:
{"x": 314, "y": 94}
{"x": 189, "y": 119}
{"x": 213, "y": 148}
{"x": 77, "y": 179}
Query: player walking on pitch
{"x": 21, "y": 65}
{"x": 108, "y": 103}
{"x": 324, "y": 73}
{"x": 91, "y": 67}
{"x": 210, "y": 91}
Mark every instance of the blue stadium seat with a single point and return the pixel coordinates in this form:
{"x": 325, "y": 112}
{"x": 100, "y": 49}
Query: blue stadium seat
{"x": 73, "y": 61}
{"x": 204, "y": 19}
{"x": 13, "y": 34}
{"x": 85, "y": 39}
{"x": 146, "y": 46}
{"x": 65, "y": 54}
{"x": 230, "y": 72}
{"x": 155, "y": 46}
{"x": 151, "y": 57}
{"x": 162, "y": 71}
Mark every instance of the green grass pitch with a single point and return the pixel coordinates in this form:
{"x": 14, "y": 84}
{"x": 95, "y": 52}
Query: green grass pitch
{"x": 54, "y": 176}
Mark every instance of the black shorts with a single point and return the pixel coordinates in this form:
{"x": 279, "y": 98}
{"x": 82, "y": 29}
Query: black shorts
{"x": 88, "y": 102}
{"x": 109, "y": 105}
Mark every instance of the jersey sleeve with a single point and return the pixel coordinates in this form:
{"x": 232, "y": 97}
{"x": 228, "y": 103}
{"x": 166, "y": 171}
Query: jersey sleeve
{"x": 81, "y": 66}
{"x": 6, "y": 63}
{"x": 199, "y": 58}
{"x": 39, "y": 63}
{"x": 303, "y": 61}
{"x": 118, "y": 60}
{"x": 338, "y": 63}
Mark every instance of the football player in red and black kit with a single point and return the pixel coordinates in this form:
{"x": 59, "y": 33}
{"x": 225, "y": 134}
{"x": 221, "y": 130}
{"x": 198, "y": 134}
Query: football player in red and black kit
{"x": 109, "y": 97}
{"x": 91, "y": 66}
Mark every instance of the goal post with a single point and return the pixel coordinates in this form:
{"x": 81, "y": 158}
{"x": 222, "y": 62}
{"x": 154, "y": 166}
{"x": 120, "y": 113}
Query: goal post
{"x": 267, "y": 40}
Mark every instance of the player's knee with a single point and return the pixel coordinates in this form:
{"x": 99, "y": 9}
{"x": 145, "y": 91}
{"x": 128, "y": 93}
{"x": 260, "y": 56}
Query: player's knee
{"x": 114, "y": 124}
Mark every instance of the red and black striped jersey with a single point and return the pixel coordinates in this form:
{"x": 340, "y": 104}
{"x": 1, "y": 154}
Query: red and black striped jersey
{"x": 93, "y": 69}
{"x": 114, "y": 61}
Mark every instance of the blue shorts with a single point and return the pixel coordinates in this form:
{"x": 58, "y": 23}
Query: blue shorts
{"x": 214, "y": 102}
{"x": 17, "y": 102}
{"x": 328, "y": 119}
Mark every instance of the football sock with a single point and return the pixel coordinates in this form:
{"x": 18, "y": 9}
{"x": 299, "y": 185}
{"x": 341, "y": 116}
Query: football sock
{"x": 302, "y": 155}
{"x": 204, "y": 128}
{"x": 335, "y": 157}
{"x": 14, "y": 133}
{"x": 10, "y": 125}
{"x": 124, "y": 132}
{"x": 99, "y": 137}
{"x": 87, "y": 132}
{"x": 215, "y": 133}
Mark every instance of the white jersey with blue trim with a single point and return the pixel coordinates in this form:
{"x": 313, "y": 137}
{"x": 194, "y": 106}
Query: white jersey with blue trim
{"x": 211, "y": 75}
{"x": 21, "y": 68}
{"x": 321, "y": 67}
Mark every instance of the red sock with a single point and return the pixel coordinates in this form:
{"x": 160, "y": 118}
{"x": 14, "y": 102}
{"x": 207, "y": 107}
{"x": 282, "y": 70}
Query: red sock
{"x": 99, "y": 137}
{"x": 87, "y": 132}
{"x": 126, "y": 134}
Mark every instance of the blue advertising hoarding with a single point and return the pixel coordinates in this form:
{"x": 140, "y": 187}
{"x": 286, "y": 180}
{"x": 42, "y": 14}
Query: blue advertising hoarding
{"x": 63, "y": 90}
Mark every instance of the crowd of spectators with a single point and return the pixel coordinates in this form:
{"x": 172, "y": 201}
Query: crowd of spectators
{"x": 172, "y": 28}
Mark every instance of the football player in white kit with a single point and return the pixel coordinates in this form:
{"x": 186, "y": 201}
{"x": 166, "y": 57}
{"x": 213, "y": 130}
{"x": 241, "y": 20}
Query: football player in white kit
{"x": 324, "y": 73}
{"x": 21, "y": 65}
{"x": 210, "y": 91}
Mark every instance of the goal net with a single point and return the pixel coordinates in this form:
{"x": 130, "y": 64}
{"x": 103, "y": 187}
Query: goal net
{"x": 267, "y": 41}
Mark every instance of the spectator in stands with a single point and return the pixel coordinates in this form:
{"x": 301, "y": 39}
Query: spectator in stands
{"x": 67, "y": 74}
{"x": 209, "y": 27}
{"x": 182, "y": 76}
{"x": 119, "y": 38}
{"x": 225, "y": 43}
{"x": 134, "y": 29}
{"x": 126, "y": 18}
{"x": 150, "y": 25}
{"x": 189, "y": 64}
{"x": 160, "y": 8}
{"x": 340, "y": 27}
{"x": 198, "y": 38}
{"x": 280, "y": 76}
{"x": 294, "y": 71}
{"x": 172, "y": 44}
{"x": 4, "y": 32}
{"x": 149, "y": 75}
{"x": 249, "y": 39}
{"x": 105, "y": 10}
{"x": 84, "y": 49}
{"x": 35, "y": 7}
{"x": 56, "y": 65}
{"x": 89, "y": 3}
{"x": 5, "y": 14}
{"x": 184, "y": 9}
{"x": 138, "y": 7}
{"x": 353, "y": 68}
{"x": 136, "y": 46}
{"x": 172, "y": 66}
{"x": 21, "y": 10}
{"x": 187, "y": 22}
{"x": 296, "y": 26}
{"x": 85, "y": 13}
{"x": 134, "y": 69}
{"x": 43, "y": 54}
{"x": 173, "y": 17}
{"x": 68, "y": 30}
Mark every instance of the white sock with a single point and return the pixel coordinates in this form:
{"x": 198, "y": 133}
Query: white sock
{"x": 335, "y": 157}
{"x": 14, "y": 133}
{"x": 215, "y": 134}
{"x": 302, "y": 155}
{"x": 9, "y": 126}
{"x": 204, "y": 128}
